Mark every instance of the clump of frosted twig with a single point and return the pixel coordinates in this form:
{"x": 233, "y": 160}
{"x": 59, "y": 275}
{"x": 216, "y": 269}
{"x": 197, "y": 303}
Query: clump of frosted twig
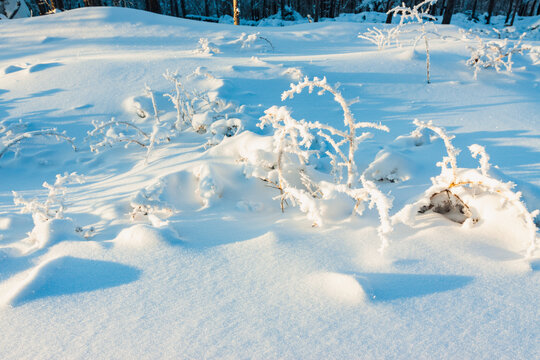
{"x": 12, "y": 135}
{"x": 418, "y": 13}
{"x": 202, "y": 110}
{"x": 54, "y": 206}
{"x": 330, "y": 133}
{"x": 295, "y": 137}
{"x": 147, "y": 203}
{"x": 181, "y": 101}
{"x": 382, "y": 37}
{"x": 453, "y": 177}
{"x": 116, "y": 131}
{"x": 159, "y": 132}
{"x": 206, "y": 47}
{"x": 495, "y": 54}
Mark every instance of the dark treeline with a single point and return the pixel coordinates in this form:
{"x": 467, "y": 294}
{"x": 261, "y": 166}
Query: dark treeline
{"x": 211, "y": 10}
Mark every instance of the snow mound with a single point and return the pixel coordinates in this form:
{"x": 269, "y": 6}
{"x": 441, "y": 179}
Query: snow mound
{"x": 68, "y": 275}
{"x": 53, "y": 231}
{"x": 145, "y": 237}
{"x": 338, "y": 287}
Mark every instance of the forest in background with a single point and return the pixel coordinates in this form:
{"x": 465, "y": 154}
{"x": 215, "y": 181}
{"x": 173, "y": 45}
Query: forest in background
{"x": 255, "y": 10}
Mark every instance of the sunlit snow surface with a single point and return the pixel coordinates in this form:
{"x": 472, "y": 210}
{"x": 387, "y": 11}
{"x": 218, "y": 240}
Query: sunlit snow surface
{"x": 219, "y": 271}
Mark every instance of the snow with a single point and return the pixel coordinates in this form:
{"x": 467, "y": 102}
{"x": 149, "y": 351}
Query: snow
{"x": 177, "y": 248}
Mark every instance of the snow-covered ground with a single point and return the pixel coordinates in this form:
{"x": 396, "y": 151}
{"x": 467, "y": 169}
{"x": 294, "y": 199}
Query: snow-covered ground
{"x": 179, "y": 250}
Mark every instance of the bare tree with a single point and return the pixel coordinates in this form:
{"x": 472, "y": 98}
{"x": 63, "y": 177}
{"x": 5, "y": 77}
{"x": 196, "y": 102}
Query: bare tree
{"x": 448, "y": 11}
{"x": 236, "y": 13}
{"x": 2, "y": 8}
{"x": 491, "y": 6}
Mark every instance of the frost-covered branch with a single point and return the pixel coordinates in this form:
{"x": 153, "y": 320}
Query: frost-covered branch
{"x": 111, "y": 134}
{"x": 54, "y": 206}
{"x": 444, "y": 199}
{"x": 8, "y": 142}
{"x": 348, "y": 119}
{"x": 450, "y": 149}
{"x": 295, "y": 137}
{"x": 495, "y": 54}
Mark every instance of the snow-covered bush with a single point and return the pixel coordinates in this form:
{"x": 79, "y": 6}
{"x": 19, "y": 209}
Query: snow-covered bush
{"x": 48, "y": 215}
{"x": 382, "y": 37}
{"x": 417, "y": 15}
{"x": 109, "y": 133}
{"x": 294, "y": 178}
{"x": 206, "y": 47}
{"x": 446, "y": 195}
{"x": 495, "y": 54}
{"x": 202, "y": 110}
{"x": 11, "y": 135}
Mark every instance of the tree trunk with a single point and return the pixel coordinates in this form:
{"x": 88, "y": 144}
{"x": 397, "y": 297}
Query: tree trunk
{"x": 389, "y": 15}
{"x": 490, "y": 10}
{"x": 518, "y": 5}
{"x": 153, "y": 6}
{"x": 206, "y": 9}
{"x": 443, "y": 6}
{"x": 3, "y": 8}
{"x": 473, "y": 13}
{"x": 236, "y": 13}
{"x": 448, "y": 12}
{"x": 183, "y": 7}
{"x": 509, "y": 12}
{"x": 92, "y": 3}
{"x": 174, "y": 7}
{"x": 317, "y": 10}
{"x": 531, "y": 13}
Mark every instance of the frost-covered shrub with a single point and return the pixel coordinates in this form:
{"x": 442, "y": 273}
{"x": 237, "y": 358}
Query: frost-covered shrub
{"x": 206, "y": 47}
{"x": 12, "y": 134}
{"x": 417, "y": 15}
{"x": 202, "y": 110}
{"x": 109, "y": 133}
{"x": 48, "y": 215}
{"x": 382, "y": 37}
{"x": 297, "y": 182}
{"x": 446, "y": 195}
{"x": 496, "y": 54}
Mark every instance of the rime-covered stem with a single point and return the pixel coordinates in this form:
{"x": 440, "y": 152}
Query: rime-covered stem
{"x": 118, "y": 122}
{"x": 348, "y": 118}
{"x": 30, "y": 134}
{"x": 450, "y": 149}
{"x": 155, "y": 128}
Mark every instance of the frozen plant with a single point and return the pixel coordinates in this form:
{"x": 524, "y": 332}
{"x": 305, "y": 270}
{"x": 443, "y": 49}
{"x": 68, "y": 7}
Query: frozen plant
{"x": 290, "y": 137}
{"x": 443, "y": 197}
{"x": 109, "y": 133}
{"x": 115, "y": 131}
{"x": 13, "y": 134}
{"x": 295, "y": 137}
{"x": 53, "y": 207}
{"x": 382, "y": 37}
{"x": 200, "y": 110}
{"x": 337, "y": 138}
{"x": 418, "y": 14}
{"x": 159, "y": 132}
{"x": 495, "y": 54}
{"x": 248, "y": 41}
{"x": 206, "y": 47}
{"x": 48, "y": 215}
{"x": 181, "y": 101}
